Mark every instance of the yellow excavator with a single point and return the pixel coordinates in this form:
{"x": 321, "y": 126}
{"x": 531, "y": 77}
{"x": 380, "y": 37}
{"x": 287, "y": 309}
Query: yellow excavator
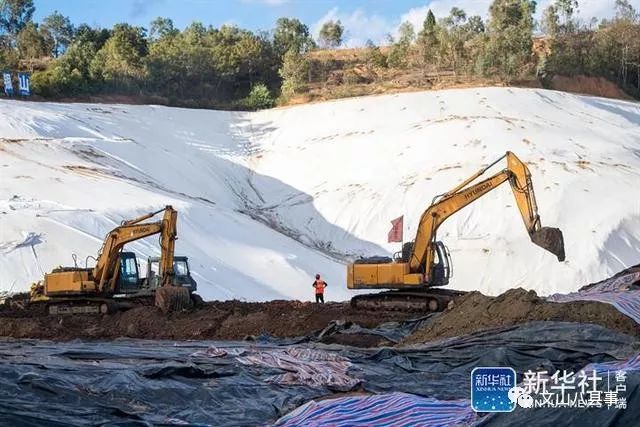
{"x": 426, "y": 263}
{"x": 114, "y": 282}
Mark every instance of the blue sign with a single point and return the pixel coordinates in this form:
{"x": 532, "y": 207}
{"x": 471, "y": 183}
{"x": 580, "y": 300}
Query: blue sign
{"x": 490, "y": 389}
{"x": 23, "y": 80}
{"x": 8, "y": 86}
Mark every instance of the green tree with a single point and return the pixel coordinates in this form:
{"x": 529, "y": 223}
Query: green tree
{"x": 162, "y": 27}
{"x": 374, "y": 55}
{"x": 508, "y": 52}
{"x": 30, "y": 42}
{"x": 428, "y": 39}
{"x": 259, "y": 98}
{"x": 293, "y": 72}
{"x": 97, "y": 36}
{"x": 429, "y": 24}
{"x": 550, "y": 23}
{"x": 331, "y": 34}
{"x": 120, "y": 60}
{"x": 15, "y": 14}
{"x": 291, "y": 34}
{"x": 60, "y": 31}
{"x": 564, "y": 11}
{"x": 406, "y": 33}
{"x": 399, "y": 52}
{"x": 475, "y": 25}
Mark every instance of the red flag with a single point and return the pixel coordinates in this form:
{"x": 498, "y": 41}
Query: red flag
{"x": 395, "y": 235}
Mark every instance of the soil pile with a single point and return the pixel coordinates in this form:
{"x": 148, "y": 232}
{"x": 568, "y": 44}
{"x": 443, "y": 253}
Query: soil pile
{"x": 228, "y": 320}
{"x": 474, "y": 312}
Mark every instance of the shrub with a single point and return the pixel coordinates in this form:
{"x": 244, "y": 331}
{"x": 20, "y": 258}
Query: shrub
{"x": 259, "y": 98}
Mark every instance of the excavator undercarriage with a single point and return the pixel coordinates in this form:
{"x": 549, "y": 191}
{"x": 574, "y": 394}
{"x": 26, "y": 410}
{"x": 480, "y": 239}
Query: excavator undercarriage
{"x": 423, "y": 299}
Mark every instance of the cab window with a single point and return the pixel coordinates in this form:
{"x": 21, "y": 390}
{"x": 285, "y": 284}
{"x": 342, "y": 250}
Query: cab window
{"x": 180, "y": 268}
{"x": 129, "y": 270}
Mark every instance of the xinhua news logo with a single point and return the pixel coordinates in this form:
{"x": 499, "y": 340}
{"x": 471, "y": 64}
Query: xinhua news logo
{"x": 490, "y": 388}
{"x": 495, "y": 389}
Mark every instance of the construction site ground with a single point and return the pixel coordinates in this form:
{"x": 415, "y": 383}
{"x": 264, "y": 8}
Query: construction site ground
{"x": 236, "y": 320}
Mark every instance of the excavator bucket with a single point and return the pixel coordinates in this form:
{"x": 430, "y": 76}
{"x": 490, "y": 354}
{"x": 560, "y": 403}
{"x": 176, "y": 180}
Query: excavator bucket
{"x": 173, "y": 298}
{"x": 551, "y": 239}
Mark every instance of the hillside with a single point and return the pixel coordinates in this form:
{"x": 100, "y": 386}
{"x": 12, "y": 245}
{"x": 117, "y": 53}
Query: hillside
{"x": 267, "y": 199}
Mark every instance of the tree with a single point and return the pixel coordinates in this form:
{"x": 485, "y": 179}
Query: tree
{"x": 475, "y": 25}
{"x": 293, "y": 72}
{"x": 406, "y": 33}
{"x": 291, "y": 34}
{"x": 162, "y": 27}
{"x": 374, "y": 55}
{"x": 510, "y": 37}
{"x": 399, "y": 53}
{"x": 331, "y": 34}
{"x": 564, "y": 11}
{"x": 625, "y": 11}
{"x": 550, "y": 21}
{"x": 15, "y": 14}
{"x": 259, "y": 98}
{"x": 60, "y": 30}
{"x": 120, "y": 60}
{"x": 31, "y": 43}
{"x": 429, "y": 24}
{"x": 427, "y": 38}
{"x": 97, "y": 36}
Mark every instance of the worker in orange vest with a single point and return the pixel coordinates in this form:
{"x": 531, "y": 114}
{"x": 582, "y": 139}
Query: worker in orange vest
{"x": 319, "y": 284}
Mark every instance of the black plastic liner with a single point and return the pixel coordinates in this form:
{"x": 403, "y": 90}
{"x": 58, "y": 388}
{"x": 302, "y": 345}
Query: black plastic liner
{"x": 134, "y": 382}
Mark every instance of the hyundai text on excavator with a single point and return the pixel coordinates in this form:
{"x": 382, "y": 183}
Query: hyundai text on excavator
{"x": 114, "y": 282}
{"x": 425, "y": 263}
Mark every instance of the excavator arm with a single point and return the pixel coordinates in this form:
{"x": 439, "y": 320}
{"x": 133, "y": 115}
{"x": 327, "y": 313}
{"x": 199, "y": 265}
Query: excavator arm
{"x": 106, "y": 270}
{"x": 519, "y": 177}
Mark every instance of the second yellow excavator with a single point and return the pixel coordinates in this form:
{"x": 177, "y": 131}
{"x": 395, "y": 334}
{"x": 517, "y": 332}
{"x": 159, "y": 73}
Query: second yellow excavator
{"x": 426, "y": 263}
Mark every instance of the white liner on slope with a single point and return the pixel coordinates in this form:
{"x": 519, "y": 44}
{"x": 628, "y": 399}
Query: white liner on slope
{"x": 268, "y": 199}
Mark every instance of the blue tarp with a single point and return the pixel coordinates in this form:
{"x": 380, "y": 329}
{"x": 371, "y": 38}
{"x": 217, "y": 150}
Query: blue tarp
{"x": 135, "y": 382}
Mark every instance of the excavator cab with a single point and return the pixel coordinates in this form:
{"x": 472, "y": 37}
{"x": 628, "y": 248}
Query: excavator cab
{"x": 181, "y": 273}
{"x": 129, "y": 277}
{"x": 442, "y": 267}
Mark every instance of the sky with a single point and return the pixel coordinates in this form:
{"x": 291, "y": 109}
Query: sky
{"x": 363, "y": 19}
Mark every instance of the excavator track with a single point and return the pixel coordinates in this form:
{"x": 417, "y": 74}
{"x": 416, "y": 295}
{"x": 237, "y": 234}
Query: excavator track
{"x": 81, "y": 306}
{"x": 422, "y": 300}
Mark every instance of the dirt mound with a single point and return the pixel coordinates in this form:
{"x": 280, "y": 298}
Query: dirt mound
{"x": 227, "y": 320}
{"x": 588, "y": 85}
{"x": 474, "y": 312}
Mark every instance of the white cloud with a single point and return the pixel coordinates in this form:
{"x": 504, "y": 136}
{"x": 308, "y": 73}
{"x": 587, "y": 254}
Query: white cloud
{"x": 588, "y": 9}
{"x": 361, "y": 26}
{"x": 441, "y": 8}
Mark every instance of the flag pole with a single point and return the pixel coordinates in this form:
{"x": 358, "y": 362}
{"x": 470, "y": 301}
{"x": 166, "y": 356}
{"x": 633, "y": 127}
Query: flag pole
{"x": 402, "y": 240}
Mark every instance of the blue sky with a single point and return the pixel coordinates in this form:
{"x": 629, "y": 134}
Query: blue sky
{"x": 363, "y": 19}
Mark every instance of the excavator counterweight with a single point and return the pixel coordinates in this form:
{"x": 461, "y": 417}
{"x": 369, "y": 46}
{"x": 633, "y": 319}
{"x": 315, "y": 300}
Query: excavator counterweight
{"x": 427, "y": 262}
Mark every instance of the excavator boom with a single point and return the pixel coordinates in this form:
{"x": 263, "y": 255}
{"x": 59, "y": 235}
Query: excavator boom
{"x": 518, "y": 175}
{"x": 106, "y": 270}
